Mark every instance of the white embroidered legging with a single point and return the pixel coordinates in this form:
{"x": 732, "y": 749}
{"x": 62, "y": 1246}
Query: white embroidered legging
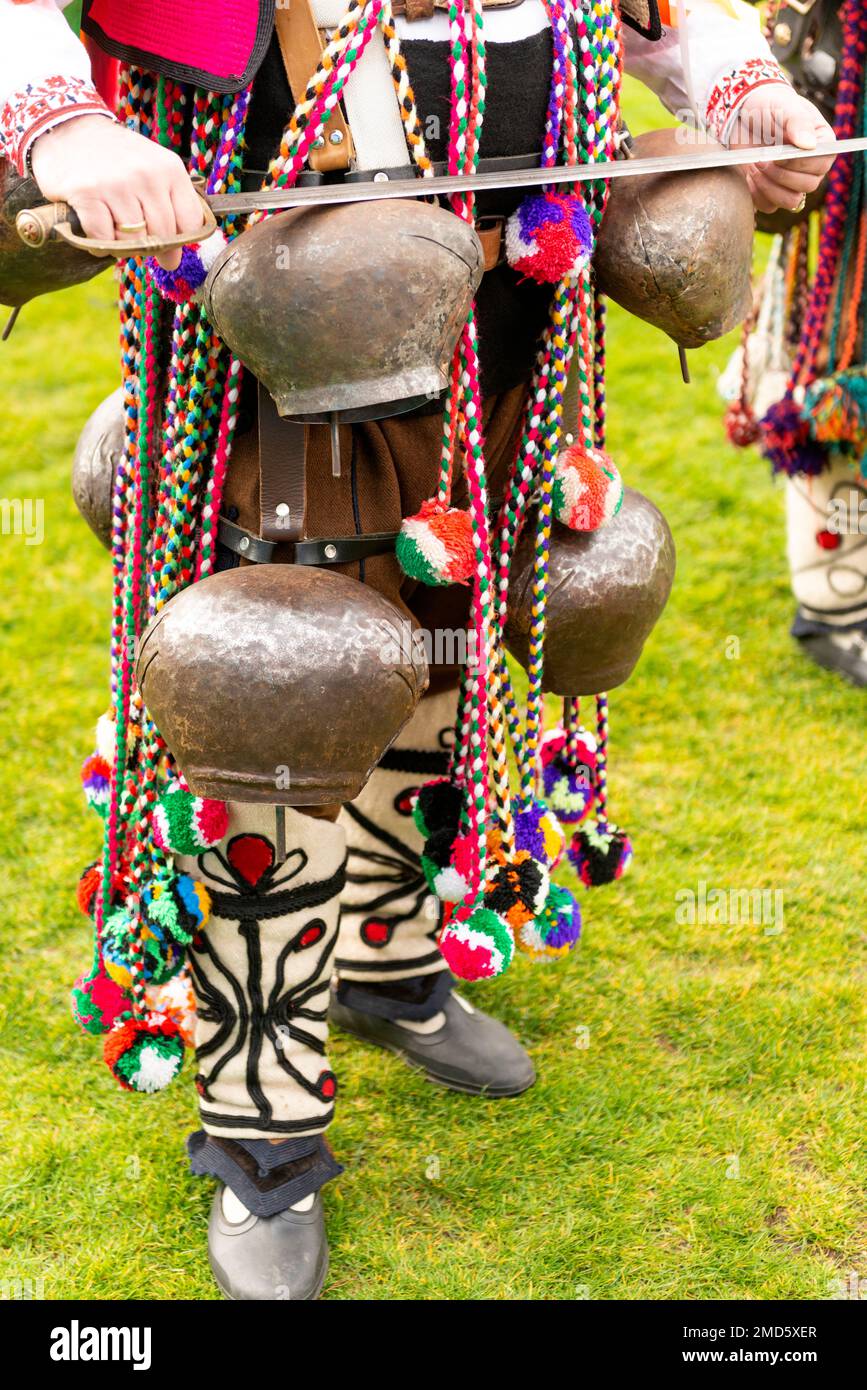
{"x": 262, "y": 967}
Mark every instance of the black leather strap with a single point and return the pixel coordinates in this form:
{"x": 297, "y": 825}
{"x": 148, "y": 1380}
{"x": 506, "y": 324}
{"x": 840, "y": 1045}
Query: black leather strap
{"x": 328, "y": 550}
{"x": 344, "y": 550}
{"x": 282, "y": 473}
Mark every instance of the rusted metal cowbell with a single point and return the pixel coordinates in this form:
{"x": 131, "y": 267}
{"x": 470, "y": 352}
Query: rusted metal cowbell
{"x": 351, "y": 309}
{"x": 676, "y": 249}
{"x": 282, "y": 684}
{"x": 25, "y": 272}
{"x": 97, "y": 456}
{"x": 607, "y": 589}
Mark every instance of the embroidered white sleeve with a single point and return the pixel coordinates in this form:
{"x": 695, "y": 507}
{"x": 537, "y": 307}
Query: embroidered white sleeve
{"x": 36, "y": 42}
{"x": 44, "y": 75}
{"x": 729, "y": 57}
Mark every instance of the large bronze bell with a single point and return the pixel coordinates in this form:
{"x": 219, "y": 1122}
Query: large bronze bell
{"x": 676, "y": 249}
{"x": 25, "y": 272}
{"x": 607, "y": 589}
{"x": 283, "y": 684}
{"x": 97, "y": 456}
{"x": 351, "y": 310}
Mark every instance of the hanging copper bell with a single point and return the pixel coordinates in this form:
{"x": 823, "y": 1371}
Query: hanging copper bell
{"x": 97, "y": 457}
{"x": 283, "y": 684}
{"x": 607, "y": 589}
{"x": 353, "y": 309}
{"x": 26, "y": 272}
{"x": 676, "y": 249}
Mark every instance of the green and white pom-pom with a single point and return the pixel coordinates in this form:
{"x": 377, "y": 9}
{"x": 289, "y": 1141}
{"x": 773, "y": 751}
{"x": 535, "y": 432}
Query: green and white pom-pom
{"x": 188, "y": 824}
{"x": 144, "y": 1054}
{"x": 436, "y": 546}
{"x": 588, "y": 489}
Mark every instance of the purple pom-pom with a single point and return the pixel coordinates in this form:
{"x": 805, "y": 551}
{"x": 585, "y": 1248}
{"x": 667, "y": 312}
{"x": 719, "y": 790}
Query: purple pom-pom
{"x": 787, "y": 443}
{"x": 181, "y": 284}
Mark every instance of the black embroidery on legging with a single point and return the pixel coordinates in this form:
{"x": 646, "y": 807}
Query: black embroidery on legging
{"x": 402, "y": 867}
{"x": 255, "y": 1020}
{"x": 427, "y": 762}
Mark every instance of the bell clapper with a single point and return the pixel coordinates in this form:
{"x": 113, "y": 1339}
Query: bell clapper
{"x": 280, "y": 834}
{"x": 10, "y": 322}
{"x": 335, "y": 444}
{"x": 684, "y": 366}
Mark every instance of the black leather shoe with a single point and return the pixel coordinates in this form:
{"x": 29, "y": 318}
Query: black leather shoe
{"x": 843, "y": 650}
{"x": 267, "y": 1257}
{"x": 470, "y": 1052}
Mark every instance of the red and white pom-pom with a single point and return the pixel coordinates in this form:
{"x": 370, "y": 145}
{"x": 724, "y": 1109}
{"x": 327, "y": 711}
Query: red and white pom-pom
{"x": 436, "y": 545}
{"x": 588, "y": 489}
{"x": 479, "y": 948}
{"x": 549, "y": 236}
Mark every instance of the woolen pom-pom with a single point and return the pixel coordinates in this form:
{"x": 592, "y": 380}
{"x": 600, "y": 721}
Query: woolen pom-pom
{"x": 96, "y": 783}
{"x": 90, "y": 886}
{"x": 447, "y": 862}
{"x": 539, "y": 832}
{"x": 787, "y": 443}
{"x": 836, "y": 408}
{"x": 97, "y": 1002}
{"x": 177, "y": 1001}
{"x": 554, "y": 743}
{"x": 178, "y": 906}
{"x": 600, "y": 853}
{"x": 569, "y": 790}
{"x": 588, "y": 489}
{"x": 437, "y": 806}
{"x": 479, "y": 947}
{"x": 436, "y": 545}
{"x": 516, "y": 887}
{"x": 555, "y": 931}
{"x": 548, "y": 236}
{"x": 159, "y": 956}
{"x": 188, "y": 824}
{"x": 741, "y": 426}
{"x": 184, "y": 284}
{"x": 144, "y": 1054}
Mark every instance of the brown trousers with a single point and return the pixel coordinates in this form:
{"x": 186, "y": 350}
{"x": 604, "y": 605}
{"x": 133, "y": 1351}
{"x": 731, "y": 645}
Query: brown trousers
{"x": 389, "y": 468}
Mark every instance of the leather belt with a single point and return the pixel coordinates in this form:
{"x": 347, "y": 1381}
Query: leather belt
{"x": 329, "y": 550}
{"x": 251, "y": 179}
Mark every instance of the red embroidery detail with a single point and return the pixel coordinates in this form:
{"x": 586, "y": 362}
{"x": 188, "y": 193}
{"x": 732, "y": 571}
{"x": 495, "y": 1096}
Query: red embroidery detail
{"x": 828, "y": 540}
{"x": 252, "y": 856}
{"x": 39, "y": 106}
{"x": 314, "y": 933}
{"x": 327, "y": 1085}
{"x": 376, "y": 933}
{"x": 405, "y": 800}
{"x": 734, "y": 87}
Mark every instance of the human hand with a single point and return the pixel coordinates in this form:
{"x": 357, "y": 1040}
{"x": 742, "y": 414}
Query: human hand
{"x": 119, "y": 183}
{"x": 774, "y": 114}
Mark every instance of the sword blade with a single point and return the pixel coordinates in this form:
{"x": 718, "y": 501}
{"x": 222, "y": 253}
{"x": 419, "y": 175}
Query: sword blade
{"x": 442, "y": 184}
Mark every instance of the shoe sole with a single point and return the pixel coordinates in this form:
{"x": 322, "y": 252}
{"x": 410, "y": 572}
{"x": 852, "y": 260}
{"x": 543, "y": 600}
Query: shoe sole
{"x": 310, "y": 1299}
{"x": 828, "y": 663}
{"x": 447, "y": 1083}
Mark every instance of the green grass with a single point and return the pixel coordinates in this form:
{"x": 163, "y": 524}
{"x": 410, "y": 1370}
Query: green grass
{"x": 705, "y": 1143}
